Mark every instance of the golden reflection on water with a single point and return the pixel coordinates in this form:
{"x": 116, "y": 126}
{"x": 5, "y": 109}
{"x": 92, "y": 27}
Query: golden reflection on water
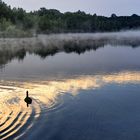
{"x": 13, "y": 111}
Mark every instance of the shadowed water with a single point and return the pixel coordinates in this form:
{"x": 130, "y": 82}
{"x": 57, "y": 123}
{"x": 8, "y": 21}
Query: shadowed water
{"x": 85, "y": 88}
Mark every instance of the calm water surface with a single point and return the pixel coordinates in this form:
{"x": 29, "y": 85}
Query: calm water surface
{"x": 94, "y": 95}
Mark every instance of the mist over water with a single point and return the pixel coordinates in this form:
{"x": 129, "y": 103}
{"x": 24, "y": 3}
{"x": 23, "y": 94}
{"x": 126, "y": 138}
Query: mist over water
{"x": 49, "y": 45}
{"x": 83, "y": 86}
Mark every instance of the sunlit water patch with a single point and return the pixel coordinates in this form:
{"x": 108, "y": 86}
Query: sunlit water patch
{"x": 16, "y": 119}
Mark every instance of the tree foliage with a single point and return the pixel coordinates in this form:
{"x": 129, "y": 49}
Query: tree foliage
{"x": 53, "y": 21}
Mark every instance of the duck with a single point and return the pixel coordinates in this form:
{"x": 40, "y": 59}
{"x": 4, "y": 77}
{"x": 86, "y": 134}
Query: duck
{"x": 28, "y": 100}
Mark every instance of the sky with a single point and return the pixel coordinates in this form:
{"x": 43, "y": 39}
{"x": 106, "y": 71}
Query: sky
{"x": 100, "y": 7}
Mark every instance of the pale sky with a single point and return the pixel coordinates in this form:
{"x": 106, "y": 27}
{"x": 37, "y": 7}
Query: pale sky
{"x": 100, "y": 7}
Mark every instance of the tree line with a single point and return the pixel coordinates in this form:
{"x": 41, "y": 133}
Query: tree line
{"x": 53, "y": 21}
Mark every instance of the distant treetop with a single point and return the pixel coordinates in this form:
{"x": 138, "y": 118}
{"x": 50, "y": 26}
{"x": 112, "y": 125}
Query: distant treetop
{"x": 53, "y": 21}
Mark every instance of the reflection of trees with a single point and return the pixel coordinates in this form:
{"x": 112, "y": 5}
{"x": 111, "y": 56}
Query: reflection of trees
{"x": 7, "y": 55}
{"x": 18, "y": 51}
{"x": 44, "y": 52}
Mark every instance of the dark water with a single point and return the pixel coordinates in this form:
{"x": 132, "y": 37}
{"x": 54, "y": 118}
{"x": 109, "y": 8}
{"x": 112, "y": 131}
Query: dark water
{"x": 77, "y": 94}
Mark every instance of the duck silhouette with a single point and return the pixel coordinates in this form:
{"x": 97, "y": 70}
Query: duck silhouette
{"x": 28, "y": 100}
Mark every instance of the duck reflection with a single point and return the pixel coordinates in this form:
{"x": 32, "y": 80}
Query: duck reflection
{"x": 28, "y": 100}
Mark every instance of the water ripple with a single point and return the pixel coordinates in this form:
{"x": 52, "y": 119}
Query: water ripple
{"x": 18, "y": 121}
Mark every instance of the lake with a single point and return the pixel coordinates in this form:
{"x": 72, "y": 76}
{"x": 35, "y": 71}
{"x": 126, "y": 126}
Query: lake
{"x": 82, "y": 86}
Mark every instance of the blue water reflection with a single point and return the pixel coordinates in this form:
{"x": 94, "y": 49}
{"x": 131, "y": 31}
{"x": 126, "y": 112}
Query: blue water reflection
{"x": 91, "y": 94}
{"x": 105, "y": 60}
